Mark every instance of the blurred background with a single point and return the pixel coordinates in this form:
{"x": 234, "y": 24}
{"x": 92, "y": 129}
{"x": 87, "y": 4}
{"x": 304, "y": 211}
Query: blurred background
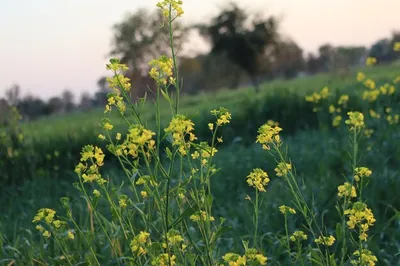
{"x": 54, "y": 53}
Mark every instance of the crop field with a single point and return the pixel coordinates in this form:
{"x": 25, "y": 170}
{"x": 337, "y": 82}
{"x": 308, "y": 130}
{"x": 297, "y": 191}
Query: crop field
{"x": 320, "y": 154}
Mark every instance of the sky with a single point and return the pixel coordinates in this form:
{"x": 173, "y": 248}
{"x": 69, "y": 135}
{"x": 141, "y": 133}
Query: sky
{"x": 47, "y": 46}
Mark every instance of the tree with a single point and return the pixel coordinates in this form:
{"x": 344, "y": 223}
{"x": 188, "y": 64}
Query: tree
{"x": 13, "y": 94}
{"x": 67, "y": 98}
{"x": 245, "y": 46}
{"x": 289, "y": 59}
{"x": 139, "y": 38}
{"x": 86, "y": 101}
{"x": 55, "y": 105}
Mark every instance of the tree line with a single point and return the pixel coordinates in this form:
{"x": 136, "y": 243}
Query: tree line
{"x": 245, "y": 49}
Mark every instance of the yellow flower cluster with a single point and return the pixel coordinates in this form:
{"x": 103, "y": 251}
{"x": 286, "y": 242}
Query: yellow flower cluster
{"x": 115, "y": 65}
{"x": 283, "y": 168}
{"x": 333, "y": 109}
{"x": 360, "y": 76}
{"x": 204, "y": 152}
{"x": 47, "y": 215}
{"x": 173, "y": 238}
{"x": 164, "y": 260}
{"x": 180, "y": 127}
{"x": 223, "y": 116}
{"x": 161, "y": 70}
{"x": 361, "y": 172}
{"x": 343, "y": 99}
{"x": 315, "y": 97}
{"x": 171, "y": 5}
{"x": 138, "y": 139}
{"x": 200, "y": 216}
{"x": 325, "y": 240}
{"x": 393, "y": 119}
{"x": 117, "y": 101}
{"x": 370, "y": 61}
{"x": 252, "y": 257}
{"x": 366, "y": 258}
{"x": 374, "y": 114}
{"x": 286, "y": 209}
{"x": 146, "y": 179}
{"x": 258, "y": 179}
{"x": 370, "y": 95}
{"x": 370, "y": 84}
{"x": 336, "y": 120}
{"x": 361, "y": 216}
{"x": 119, "y": 81}
{"x": 298, "y": 235}
{"x": 356, "y": 120}
{"x": 267, "y": 135}
{"x": 347, "y": 190}
{"x": 138, "y": 244}
{"x": 387, "y": 89}
{"x": 94, "y": 157}
{"x": 396, "y": 47}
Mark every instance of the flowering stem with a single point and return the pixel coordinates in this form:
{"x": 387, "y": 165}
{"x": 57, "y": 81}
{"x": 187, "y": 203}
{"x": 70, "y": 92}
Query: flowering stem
{"x": 171, "y": 40}
{"x": 256, "y": 219}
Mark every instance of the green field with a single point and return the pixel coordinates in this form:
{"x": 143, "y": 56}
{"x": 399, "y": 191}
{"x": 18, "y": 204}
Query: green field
{"x": 318, "y": 151}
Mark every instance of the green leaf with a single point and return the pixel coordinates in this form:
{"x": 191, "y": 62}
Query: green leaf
{"x": 169, "y": 153}
{"x": 189, "y": 211}
{"x": 339, "y": 229}
{"x": 332, "y": 260}
{"x": 218, "y": 233}
{"x": 209, "y": 199}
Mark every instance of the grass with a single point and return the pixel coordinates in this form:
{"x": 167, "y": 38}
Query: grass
{"x": 319, "y": 153}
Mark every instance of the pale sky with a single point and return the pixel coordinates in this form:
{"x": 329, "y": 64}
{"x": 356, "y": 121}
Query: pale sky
{"x": 49, "y": 45}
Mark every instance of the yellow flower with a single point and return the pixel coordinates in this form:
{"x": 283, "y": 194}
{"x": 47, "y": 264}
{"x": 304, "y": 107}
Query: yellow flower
{"x": 286, "y": 209}
{"x": 253, "y": 256}
{"x": 143, "y": 194}
{"x": 332, "y": 109}
{"x": 356, "y": 120}
{"x": 360, "y": 76}
{"x": 108, "y": 126}
{"x": 101, "y": 137}
{"x": 179, "y": 127}
{"x": 336, "y": 121}
{"x": 369, "y": 83}
{"x": 325, "y": 240}
{"x": 361, "y": 172}
{"x": 283, "y": 168}
{"x": 366, "y": 258}
{"x": 268, "y": 135}
{"x": 396, "y": 47}
{"x": 234, "y": 259}
{"x": 298, "y": 235}
{"x": 161, "y": 69}
{"x": 46, "y": 234}
{"x": 118, "y": 136}
{"x": 96, "y": 193}
{"x": 370, "y": 61}
{"x": 211, "y": 126}
{"x": 122, "y": 203}
{"x": 164, "y": 260}
{"x": 223, "y": 116}
{"x": 347, "y": 190}
{"x": 324, "y": 93}
{"x": 219, "y": 139}
{"x": 173, "y": 5}
{"x": 374, "y": 114}
{"x": 343, "y": 99}
{"x": 258, "y": 179}
{"x": 71, "y": 235}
